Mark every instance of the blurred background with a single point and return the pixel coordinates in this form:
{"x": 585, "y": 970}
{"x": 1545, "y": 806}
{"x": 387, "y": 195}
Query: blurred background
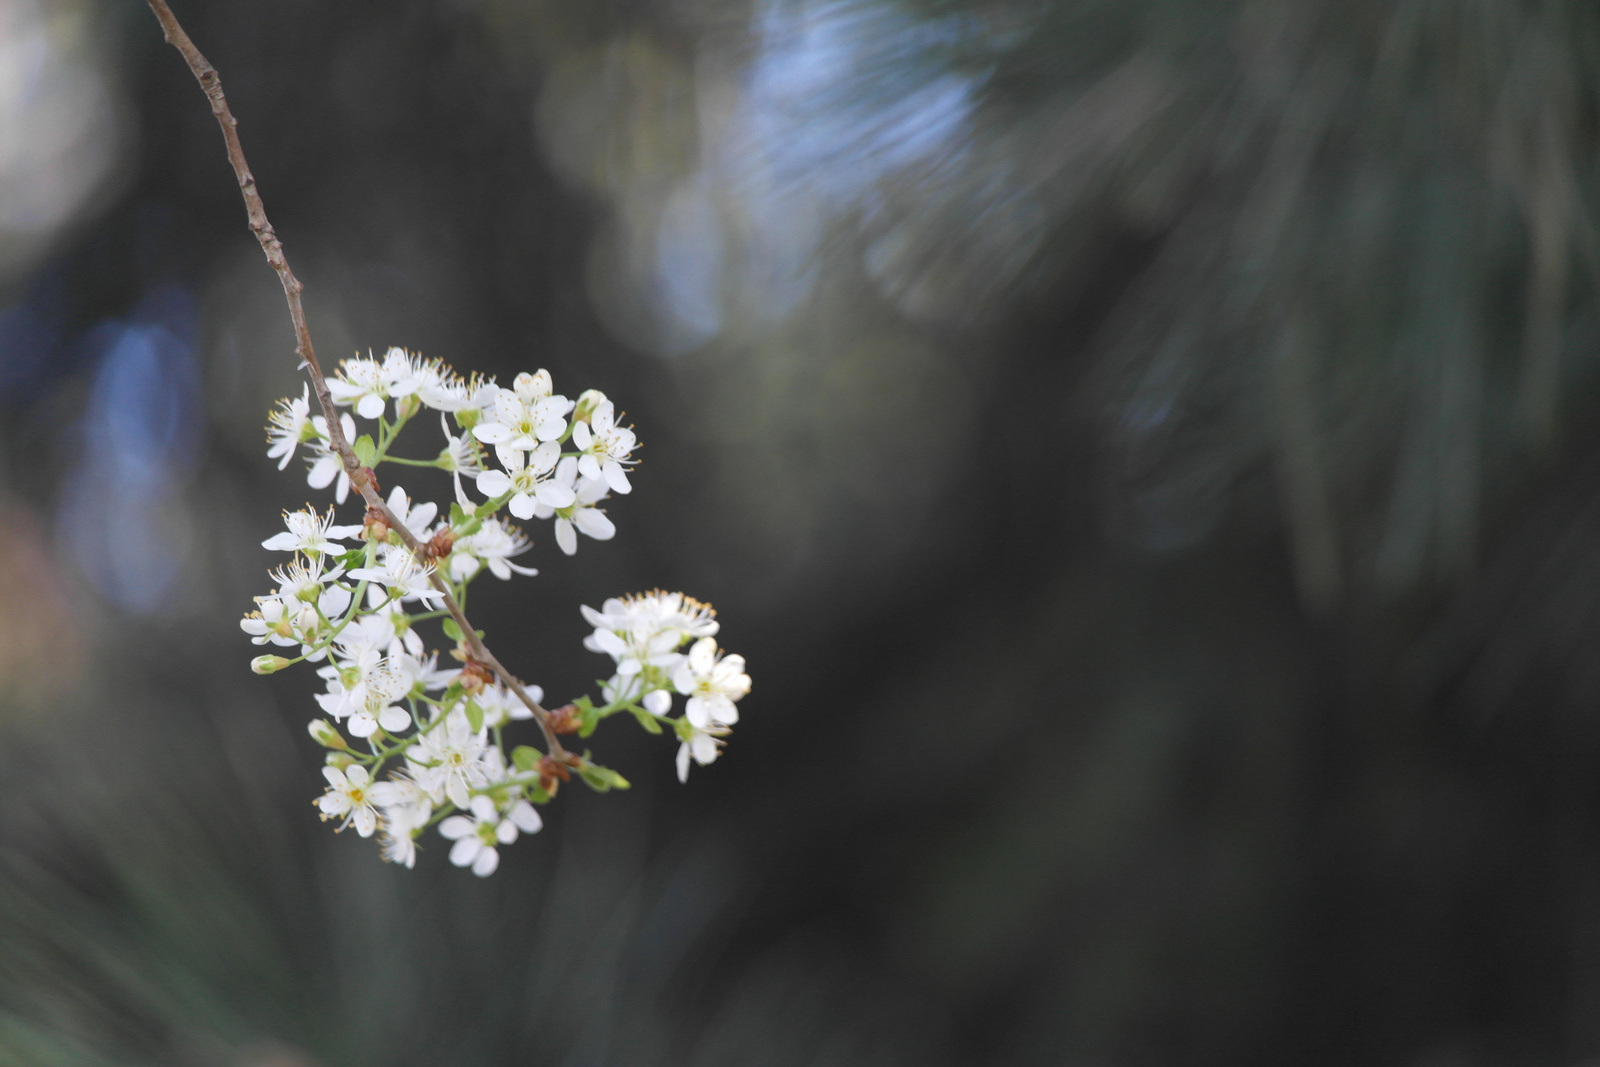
{"x": 1144, "y": 450}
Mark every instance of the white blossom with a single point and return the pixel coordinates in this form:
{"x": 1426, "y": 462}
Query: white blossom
{"x": 525, "y": 415}
{"x": 326, "y": 466}
{"x": 450, "y": 760}
{"x": 501, "y": 706}
{"x": 702, "y": 744}
{"x": 528, "y": 477}
{"x": 349, "y": 797}
{"x": 494, "y": 544}
{"x": 461, "y": 453}
{"x": 415, "y": 518}
{"x": 712, "y": 684}
{"x": 368, "y": 383}
{"x": 475, "y": 838}
{"x": 403, "y": 576}
{"x": 273, "y": 621}
{"x": 606, "y": 447}
{"x": 406, "y": 809}
{"x": 289, "y": 426}
{"x": 309, "y": 532}
{"x": 366, "y": 690}
{"x": 645, "y": 630}
{"x": 581, "y": 513}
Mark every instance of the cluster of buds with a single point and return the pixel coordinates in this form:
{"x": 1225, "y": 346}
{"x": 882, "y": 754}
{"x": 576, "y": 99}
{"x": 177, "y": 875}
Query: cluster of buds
{"x": 413, "y": 743}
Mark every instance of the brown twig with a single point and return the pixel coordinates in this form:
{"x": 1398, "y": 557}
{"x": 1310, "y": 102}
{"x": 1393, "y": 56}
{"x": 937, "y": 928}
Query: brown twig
{"x": 360, "y": 476}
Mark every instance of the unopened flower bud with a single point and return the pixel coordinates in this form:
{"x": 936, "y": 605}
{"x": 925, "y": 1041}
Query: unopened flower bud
{"x": 323, "y": 733}
{"x": 374, "y": 528}
{"x": 474, "y": 676}
{"x": 565, "y": 720}
{"x": 268, "y": 664}
{"x": 588, "y": 400}
{"x": 553, "y": 772}
{"x": 439, "y": 545}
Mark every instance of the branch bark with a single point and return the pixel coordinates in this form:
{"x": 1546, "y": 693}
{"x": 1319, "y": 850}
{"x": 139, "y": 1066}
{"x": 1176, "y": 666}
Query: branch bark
{"x": 360, "y": 477}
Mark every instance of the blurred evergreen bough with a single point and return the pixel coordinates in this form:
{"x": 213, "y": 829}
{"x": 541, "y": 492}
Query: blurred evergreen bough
{"x": 1175, "y": 470}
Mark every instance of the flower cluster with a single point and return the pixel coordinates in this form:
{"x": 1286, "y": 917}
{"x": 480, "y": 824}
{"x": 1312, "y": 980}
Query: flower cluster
{"x": 414, "y": 742}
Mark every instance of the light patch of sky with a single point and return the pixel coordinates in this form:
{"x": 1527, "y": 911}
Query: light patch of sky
{"x": 122, "y": 516}
{"x": 846, "y": 93}
{"x": 60, "y": 131}
{"x": 842, "y": 96}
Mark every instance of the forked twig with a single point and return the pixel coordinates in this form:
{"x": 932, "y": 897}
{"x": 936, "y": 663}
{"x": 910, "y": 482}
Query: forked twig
{"x": 360, "y": 476}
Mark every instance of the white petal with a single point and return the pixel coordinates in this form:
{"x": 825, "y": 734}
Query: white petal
{"x": 362, "y": 724}
{"x": 421, "y": 518}
{"x": 484, "y": 808}
{"x": 617, "y": 478}
{"x": 595, "y": 524}
{"x": 465, "y": 850}
{"x": 493, "y": 433}
{"x": 370, "y": 407}
{"x": 334, "y": 600}
{"x": 322, "y": 472}
{"x": 394, "y": 718}
{"x": 566, "y": 538}
{"x": 366, "y": 821}
{"x": 506, "y": 832}
{"x": 493, "y": 483}
{"x": 657, "y": 702}
{"x": 555, "y": 495}
{"x": 526, "y": 816}
{"x": 683, "y": 762}
{"x": 457, "y": 826}
{"x": 522, "y": 506}
{"x": 488, "y": 859}
{"x": 588, "y": 466}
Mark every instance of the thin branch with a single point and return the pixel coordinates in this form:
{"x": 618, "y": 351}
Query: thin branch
{"x": 360, "y": 477}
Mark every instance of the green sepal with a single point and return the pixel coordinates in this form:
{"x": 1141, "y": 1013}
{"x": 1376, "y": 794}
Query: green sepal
{"x": 485, "y": 509}
{"x": 366, "y": 451}
{"x": 451, "y": 630}
{"x": 474, "y": 715}
{"x": 457, "y": 515}
{"x": 600, "y": 779}
{"x": 647, "y": 720}
{"x": 353, "y": 558}
{"x": 525, "y": 758}
{"x": 536, "y": 793}
{"x": 683, "y": 728}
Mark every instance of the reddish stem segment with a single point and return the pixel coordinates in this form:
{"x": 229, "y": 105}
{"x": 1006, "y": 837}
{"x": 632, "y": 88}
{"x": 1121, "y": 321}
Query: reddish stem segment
{"x": 360, "y": 476}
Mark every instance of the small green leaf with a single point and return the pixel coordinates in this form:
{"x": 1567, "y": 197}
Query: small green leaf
{"x": 451, "y": 630}
{"x": 536, "y": 793}
{"x": 485, "y": 509}
{"x": 366, "y": 451}
{"x": 457, "y": 515}
{"x": 474, "y": 715}
{"x": 524, "y": 758}
{"x": 647, "y": 720}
